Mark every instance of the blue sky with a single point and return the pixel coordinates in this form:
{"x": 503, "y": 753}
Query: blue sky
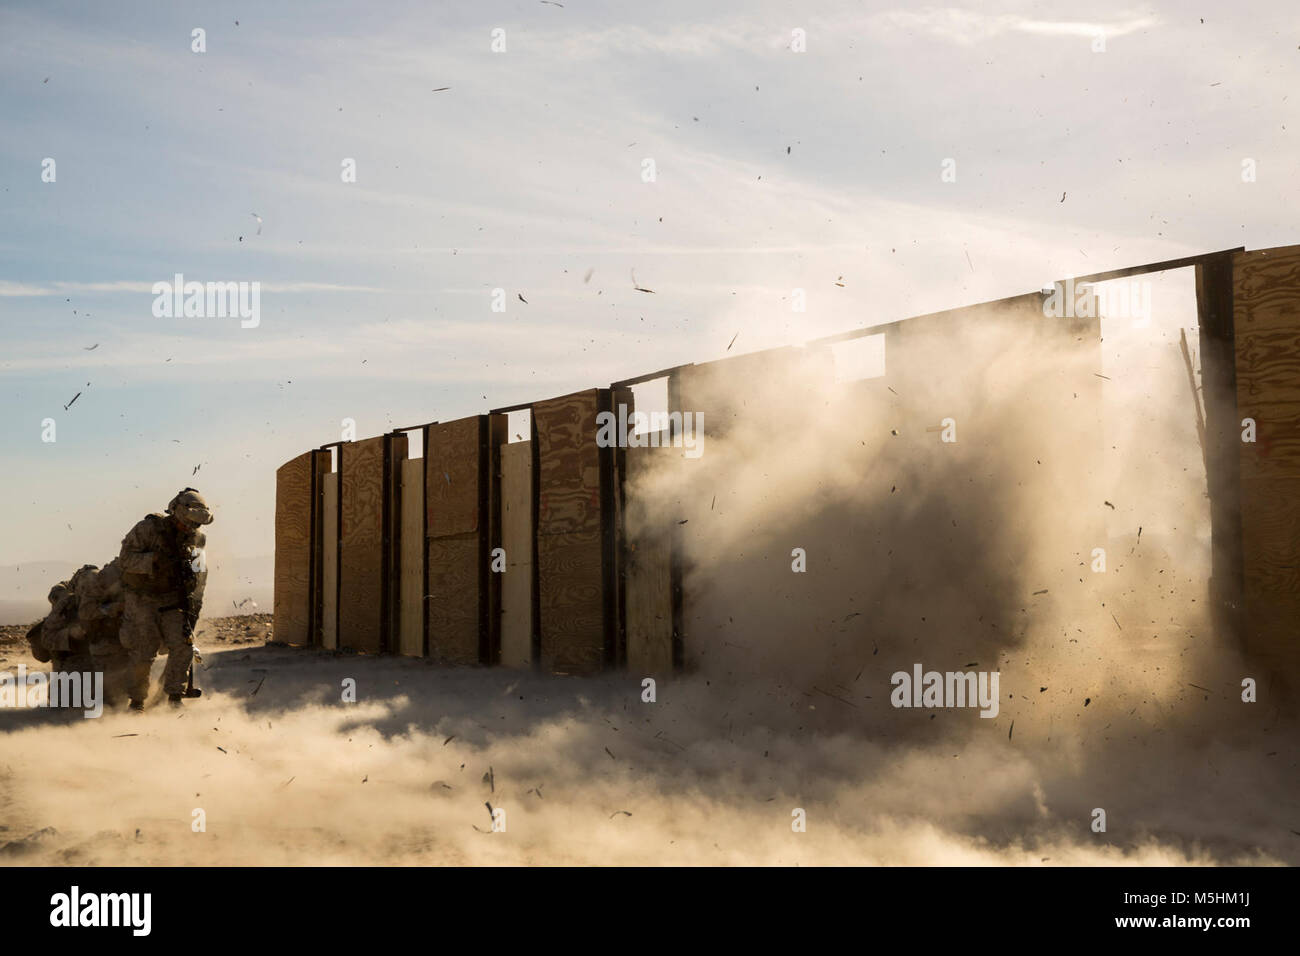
{"x": 775, "y": 169}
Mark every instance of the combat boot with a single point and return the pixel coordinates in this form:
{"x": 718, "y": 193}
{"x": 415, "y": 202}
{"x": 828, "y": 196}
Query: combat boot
{"x": 174, "y": 700}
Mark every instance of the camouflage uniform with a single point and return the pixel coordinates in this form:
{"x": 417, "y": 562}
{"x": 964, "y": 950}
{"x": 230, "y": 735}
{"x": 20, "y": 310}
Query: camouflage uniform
{"x": 100, "y": 603}
{"x": 63, "y": 636}
{"x": 163, "y": 577}
{"x": 35, "y": 637}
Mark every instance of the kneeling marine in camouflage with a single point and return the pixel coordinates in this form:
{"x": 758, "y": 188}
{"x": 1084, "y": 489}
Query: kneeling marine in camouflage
{"x": 163, "y": 577}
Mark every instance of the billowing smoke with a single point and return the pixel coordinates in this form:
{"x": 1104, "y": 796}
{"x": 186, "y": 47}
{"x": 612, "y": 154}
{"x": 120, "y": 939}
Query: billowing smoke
{"x": 978, "y": 554}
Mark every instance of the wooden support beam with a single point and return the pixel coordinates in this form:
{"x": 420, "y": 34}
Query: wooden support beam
{"x": 511, "y": 408}
{"x": 1214, "y": 303}
{"x": 1196, "y": 395}
{"x": 650, "y": 376}
{"x": 1198, "y": 260}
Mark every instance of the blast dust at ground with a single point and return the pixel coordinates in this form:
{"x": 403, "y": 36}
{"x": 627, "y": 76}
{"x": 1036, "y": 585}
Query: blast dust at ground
{"x": 293, "y": 775}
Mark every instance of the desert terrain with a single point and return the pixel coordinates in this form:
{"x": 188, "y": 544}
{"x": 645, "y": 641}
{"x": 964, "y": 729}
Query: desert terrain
{"x": 285, "y": 772}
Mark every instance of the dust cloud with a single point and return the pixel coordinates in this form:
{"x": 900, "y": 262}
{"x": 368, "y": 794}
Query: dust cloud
{"x": 976, "y": 554}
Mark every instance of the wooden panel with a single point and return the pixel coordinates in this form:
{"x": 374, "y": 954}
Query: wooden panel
{"x": 572, "y": 611}
{"x": 573, "y": 535}
{"x": 396, "y": 450}
{"x": 293, "y": 595}
{"x": 453, "y": 602}
{"x": 411, "y": 630}
{"x": 647, "y": 586}
{"x": 321, "y": 467}
{"x": 1273, "y": 633}
{"x": 1267, "y": 289}
{"x": 329, "y": 553}
{"x": 1268, "y": 390}
{"x": 361, "y": 567}
{"x": 458, "y": 531}
{"x": 496, "y": 428}
{"x": 613, "y": 558}
{"x": 1270, "y": 534}
{"x": 569, "y": 462}
{"x": 517, "y": 539}
{"x": 452, "y": 496}
{"x": 1266, "y": 315}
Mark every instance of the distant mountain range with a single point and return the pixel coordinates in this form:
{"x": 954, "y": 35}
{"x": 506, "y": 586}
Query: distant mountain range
{"x": 24, "y": 588}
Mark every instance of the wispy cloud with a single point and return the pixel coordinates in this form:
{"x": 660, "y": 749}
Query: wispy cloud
{"x": 30, "y": 289}
{"x": 957, "y": 25}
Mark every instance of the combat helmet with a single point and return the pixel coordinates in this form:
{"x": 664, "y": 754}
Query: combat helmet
{"x": 189, "y": 507}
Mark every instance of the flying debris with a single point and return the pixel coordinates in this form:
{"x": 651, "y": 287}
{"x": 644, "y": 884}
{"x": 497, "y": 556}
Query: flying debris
{"x": 521, "y": 298}
{"x": 259, "y": 222}
{"x": 637, "y": 287}
{"x": 733, "y": 341}
{"x": 440, "y": 89}
{"x": 74, "y": 398}
{"x": 90, "y": 348}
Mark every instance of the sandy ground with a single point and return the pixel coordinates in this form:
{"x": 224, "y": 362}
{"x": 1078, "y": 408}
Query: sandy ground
{"x": 272, "y": 766}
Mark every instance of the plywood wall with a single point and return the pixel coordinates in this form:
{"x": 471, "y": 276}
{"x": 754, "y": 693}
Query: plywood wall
{"x": 329, "y": 560}
{"x": 571, "y": 543}
{"x": 294, "y": 488}
{"x": 517, "y": 540}
{"x": 411, "y": 603}
{"x": 457, "y": 525}
{"x": 361, "y": 565}
{"x": 592, "y": 580}
{"x": 1266, "y": 319}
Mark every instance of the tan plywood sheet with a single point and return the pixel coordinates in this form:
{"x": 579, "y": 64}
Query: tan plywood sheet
{"x": 453, "y": 601}
{"x": 1270, "y": 531}
{"x": 1266, "y": 318}
{"x": 1266, "y": 289}
{"x": 361, "y": 583}
{"x": 329, "y": 560}
{"x": 517, "y": 540}
{"x": 1268, "y": 390}
{"x": 569, "y": 478}
{"x": 452, "y": 494}
{"x": 572, "y": 622}
{"x": 411, "y": 628}
{"x": 292, "y": 604}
